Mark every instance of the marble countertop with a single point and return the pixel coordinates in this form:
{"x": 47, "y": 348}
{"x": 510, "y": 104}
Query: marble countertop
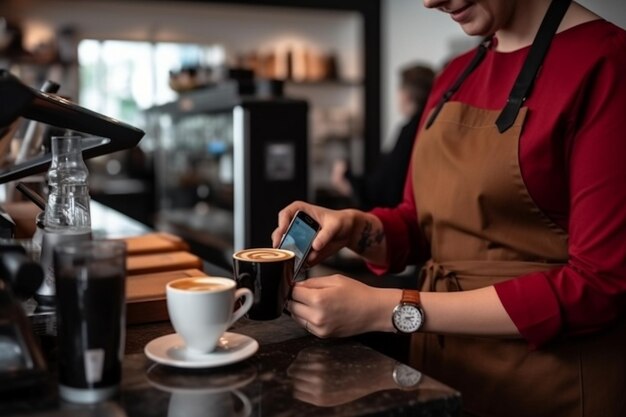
{"x": 292, "y": 374}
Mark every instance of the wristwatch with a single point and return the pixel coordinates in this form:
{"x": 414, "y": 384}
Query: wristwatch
{"x": 408, "y": 316}
{"x": 405, "y": 376}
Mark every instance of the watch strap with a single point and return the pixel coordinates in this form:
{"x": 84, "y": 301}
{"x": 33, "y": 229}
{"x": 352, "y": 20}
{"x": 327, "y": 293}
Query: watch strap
{"x": 411, "y": 297}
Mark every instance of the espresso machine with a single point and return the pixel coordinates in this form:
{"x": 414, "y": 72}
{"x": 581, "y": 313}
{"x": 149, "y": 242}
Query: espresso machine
{"x": 21, "y": 361}
{"x": 18, "y": 100}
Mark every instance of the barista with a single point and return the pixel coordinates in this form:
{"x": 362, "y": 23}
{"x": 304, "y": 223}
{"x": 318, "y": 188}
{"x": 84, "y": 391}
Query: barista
{"x": 515, "y": 200}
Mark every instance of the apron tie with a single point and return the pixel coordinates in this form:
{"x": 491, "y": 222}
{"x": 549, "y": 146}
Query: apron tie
{"x": 433, "y": 272}
{"x": 451, "y": 276}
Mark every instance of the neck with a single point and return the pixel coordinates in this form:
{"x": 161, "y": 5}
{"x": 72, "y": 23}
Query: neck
{"x": 520, "y": 30}
{"x": 522, "y": 26}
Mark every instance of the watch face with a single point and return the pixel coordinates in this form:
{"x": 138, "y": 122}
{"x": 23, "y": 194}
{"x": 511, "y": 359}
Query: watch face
{"x": 405, "y": 376}
{"x": 407, "y": 318}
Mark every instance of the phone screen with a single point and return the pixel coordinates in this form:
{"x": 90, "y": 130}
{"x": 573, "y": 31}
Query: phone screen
{"x": 299, "y": 238}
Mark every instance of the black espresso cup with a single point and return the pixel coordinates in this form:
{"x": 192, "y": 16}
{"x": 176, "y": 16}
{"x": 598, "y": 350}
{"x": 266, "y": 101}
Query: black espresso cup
{"x": 268, "y": 273}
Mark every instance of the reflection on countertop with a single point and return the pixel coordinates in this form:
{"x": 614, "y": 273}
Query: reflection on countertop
{"x": 305, "y": 376}
{"x": 292, "y": 374}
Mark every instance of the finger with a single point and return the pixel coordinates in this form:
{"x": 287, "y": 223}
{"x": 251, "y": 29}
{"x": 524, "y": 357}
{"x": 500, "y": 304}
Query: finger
{"x": 303, "y": 387}
{"x": 316, "y": 397}
{"x": 301, "y": 312}
{"x": 310, "y": 368}
{"x": 327, "y": 234}
{"x": 302, "y": 395}
{"x": 277, "y": 236}
{"x": 286, "y": 214}
{"x": 324, "y": 237}
{"x": 304, "y": 295}
{"x": 312, "y": 387}
{"x": 305, "y": 324}
{"x": 309, "y": 327}
{"x": 304, "y": 370}
{"x": 317, "y": 354}
{"x": 284, "y": 218}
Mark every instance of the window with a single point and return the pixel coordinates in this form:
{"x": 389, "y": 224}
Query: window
{"x": 122, "y": 78}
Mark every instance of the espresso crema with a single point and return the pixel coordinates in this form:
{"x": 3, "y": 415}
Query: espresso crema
{"x": 198, "y": 284}
{"x": 263, "y": 255}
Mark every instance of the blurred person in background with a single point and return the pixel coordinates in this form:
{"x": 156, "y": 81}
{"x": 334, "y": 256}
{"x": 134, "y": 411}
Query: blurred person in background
{"x": 383, "y": 187}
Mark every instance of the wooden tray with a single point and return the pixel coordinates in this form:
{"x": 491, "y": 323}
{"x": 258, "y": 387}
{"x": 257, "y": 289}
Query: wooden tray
{"x": 154, "y": 243}
{"x": 145, "y": 295}
{"x": 161, "y": 262}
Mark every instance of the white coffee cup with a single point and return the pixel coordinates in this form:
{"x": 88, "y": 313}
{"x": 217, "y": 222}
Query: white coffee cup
{"x": 201, "y": 309}
{"x": 219, "y": 404}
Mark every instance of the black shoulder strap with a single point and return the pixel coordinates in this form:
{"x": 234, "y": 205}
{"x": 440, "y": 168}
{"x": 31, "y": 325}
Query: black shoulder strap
{"x": 477, "y": 59}
{"x": 533, "y": 62}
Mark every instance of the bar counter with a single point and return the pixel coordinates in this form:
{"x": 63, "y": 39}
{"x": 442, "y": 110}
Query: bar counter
{"x": 293, "y": 373}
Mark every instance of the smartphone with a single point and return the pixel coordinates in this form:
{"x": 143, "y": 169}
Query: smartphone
{"x": 299, "y": 238}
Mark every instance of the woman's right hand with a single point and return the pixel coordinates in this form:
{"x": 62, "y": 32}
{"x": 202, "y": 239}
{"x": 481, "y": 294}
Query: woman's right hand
{"x": 336, "y": 229}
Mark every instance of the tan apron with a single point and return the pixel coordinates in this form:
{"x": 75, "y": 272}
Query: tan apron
{"x": 484, "y": 228}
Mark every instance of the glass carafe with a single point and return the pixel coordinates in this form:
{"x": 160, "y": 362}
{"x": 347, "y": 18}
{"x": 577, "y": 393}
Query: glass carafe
{"x": 67, "y": 215}
{"x": 67, "y": 209}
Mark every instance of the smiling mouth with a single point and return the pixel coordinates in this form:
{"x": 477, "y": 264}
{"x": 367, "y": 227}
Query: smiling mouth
{"x": 459, "y": 15}
{"x": 457, "y": 11}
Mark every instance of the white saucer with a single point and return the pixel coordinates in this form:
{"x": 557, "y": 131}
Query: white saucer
{"x": 199, "y": 383}
{"x": 170, "y": 350}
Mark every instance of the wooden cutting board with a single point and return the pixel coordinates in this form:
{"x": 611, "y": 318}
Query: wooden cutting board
{"x": 145, "y": 294}
{"x": 161, "y": 262}
{"x": 152, "y": 261}
{"x": 154, "y": 243}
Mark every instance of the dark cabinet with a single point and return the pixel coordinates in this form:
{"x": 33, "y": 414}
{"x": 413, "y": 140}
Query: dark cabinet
{"x": 225, "y": 165}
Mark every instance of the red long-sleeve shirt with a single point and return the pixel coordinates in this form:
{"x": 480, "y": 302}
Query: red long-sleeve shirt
{"x": 573, "y": 161}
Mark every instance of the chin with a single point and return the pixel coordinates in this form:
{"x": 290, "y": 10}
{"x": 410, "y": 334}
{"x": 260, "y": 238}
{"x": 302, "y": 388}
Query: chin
{"x": 477, "y": 29}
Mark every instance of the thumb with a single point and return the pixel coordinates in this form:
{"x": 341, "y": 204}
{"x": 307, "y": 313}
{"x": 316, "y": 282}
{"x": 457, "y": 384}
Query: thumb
{"x": 323, "y": 238}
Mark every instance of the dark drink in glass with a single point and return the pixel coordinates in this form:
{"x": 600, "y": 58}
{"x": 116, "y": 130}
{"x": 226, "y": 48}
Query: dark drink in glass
{"x": 91, "y": 317}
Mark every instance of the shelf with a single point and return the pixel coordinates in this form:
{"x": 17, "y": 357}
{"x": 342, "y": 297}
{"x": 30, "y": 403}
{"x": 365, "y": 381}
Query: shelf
{"x": 221, "y": 97}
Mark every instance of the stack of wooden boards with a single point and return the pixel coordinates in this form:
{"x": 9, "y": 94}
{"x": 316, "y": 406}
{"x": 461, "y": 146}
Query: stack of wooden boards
{"x": 154, "y": 260}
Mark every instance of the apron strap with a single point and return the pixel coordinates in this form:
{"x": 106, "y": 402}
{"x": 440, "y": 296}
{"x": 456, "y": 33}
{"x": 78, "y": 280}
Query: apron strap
{"x": 533, "y": 62}
{"x": 477, "y": 59}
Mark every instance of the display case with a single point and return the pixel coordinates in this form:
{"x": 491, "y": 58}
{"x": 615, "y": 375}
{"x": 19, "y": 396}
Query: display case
{"x": 226, "y": 162}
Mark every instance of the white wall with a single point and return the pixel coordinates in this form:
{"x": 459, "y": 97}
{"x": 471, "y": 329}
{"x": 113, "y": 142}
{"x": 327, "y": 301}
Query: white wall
{"x": 413, "y": 33}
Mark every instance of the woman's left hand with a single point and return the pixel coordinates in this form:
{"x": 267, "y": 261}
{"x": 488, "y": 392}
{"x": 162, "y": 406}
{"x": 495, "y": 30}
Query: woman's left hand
{"x": 338, "y": 306}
